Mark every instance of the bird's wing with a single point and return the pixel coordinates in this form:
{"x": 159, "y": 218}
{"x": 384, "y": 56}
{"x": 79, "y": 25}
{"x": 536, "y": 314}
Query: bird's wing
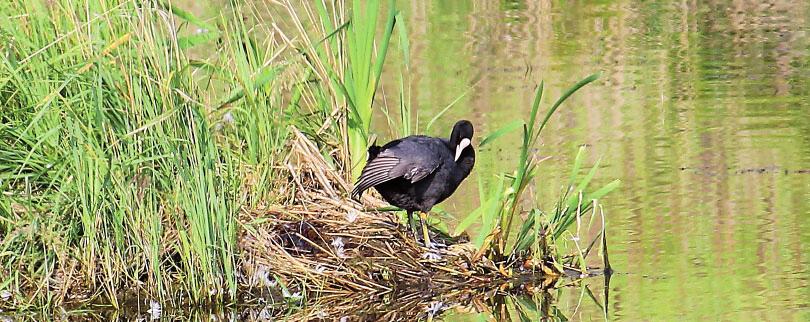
{"x": 407, "y": 160}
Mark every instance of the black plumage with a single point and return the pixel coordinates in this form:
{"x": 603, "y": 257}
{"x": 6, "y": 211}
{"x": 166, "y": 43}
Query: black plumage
{"x": 417, "y": 172}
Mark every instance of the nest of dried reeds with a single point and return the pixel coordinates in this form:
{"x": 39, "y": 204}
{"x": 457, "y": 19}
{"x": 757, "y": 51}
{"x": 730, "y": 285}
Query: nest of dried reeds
{"x": 326, "y": 245}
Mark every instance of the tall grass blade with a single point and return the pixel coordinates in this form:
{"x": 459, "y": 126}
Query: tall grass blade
{"x": 564, "y": 97}
{"x": 506, "y": 129}
{"x": 363, "y": 76}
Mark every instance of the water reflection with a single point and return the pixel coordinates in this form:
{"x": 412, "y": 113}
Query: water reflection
{"x": 702, "y": 111}
{"x": 520, "y": 300}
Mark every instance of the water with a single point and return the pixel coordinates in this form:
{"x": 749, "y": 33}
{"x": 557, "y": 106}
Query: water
{"x": 702, "y": 110}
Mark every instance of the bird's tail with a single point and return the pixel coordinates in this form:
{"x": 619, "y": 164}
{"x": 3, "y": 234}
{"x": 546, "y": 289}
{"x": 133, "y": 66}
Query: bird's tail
{"x": 373, "y": 151}
{"x": 357, "y": 193}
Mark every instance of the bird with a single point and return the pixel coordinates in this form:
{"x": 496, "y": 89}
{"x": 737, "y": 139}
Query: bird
{"x": 417, "y": 172}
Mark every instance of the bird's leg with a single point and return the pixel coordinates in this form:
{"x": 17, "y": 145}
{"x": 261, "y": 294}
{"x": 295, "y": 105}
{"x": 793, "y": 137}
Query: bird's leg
{"x": 423, "y": 219}
{"x": 412, "y": 225}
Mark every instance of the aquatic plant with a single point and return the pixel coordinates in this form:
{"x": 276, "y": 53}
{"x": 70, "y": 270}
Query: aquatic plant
{"x": 122, "y": 162}
{"x": 363, "y": 72}
{"x": 501, "y": 208}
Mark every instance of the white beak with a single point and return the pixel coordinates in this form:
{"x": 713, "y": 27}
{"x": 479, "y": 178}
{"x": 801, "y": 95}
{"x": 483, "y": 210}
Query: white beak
{"x": 461, "y": 146}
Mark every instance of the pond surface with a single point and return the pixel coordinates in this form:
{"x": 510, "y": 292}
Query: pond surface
{"x": 702, "y": 110}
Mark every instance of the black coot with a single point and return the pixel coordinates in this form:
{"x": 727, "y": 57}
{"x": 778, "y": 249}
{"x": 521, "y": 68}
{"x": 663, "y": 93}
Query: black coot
{"x": 416, "y": 172}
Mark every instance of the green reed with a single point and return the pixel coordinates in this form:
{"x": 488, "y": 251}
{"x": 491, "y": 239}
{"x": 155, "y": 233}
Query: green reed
{"x": 126, "y": 155}
{"x": 364, "y": 71}
{"x": 501, "y": 203}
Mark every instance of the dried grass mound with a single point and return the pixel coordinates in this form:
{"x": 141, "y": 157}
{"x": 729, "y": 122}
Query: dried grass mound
{"x": 325, "y": 244}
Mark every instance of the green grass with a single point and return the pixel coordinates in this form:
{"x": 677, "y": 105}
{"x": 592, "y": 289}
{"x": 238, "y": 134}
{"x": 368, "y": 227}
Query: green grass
{"x": 127, "y": 151}
{"x": 363, "y": 74}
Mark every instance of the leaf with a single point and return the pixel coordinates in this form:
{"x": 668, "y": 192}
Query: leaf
{"x": 583, "y": 184}
{"x": 264, "y": 77}
{"x": 501, "y": 132}
{"x": 577, "y": 165}
{"x": 334, "y": 32}
{"x": 538, "y": 95}
{"x": 403, "y": 40}
{"x": 389, "y": 28}
{"x": 467, "y": 221}
{"x": 187, "y": 16}
{"x": 186, "y": 42}
{"x": 447, "y": 108}
{"x": 564, "y": 97}
{"x": 605, "y": 189}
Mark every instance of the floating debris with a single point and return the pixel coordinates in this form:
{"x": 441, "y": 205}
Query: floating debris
{"x": 339, "y": 251}
{"x": 435, "y": 308}
{"x": 431, "y": 256}
{"x": 338, "y": 242}
{"x": 227, "y": 118}
{"x": 291, "y": 296}
{"x": 265, "y": 315}
{"x": 352, "y": 215}
{"x": 154, "y": 310}
{"x": 262, "y": 277}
